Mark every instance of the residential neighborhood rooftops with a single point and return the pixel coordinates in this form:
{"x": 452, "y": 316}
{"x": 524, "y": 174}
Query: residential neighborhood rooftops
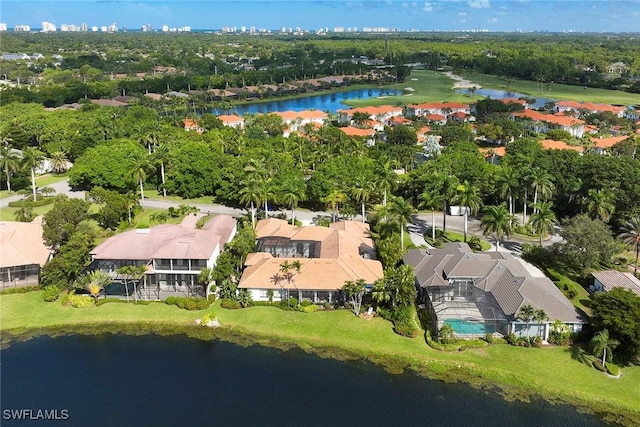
{"x": 550, "y": 144}
{"x": 617, "y": 279}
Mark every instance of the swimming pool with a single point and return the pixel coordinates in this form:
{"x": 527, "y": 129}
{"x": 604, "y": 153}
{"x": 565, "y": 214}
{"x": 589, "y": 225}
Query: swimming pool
{"x": 469, "y": 327}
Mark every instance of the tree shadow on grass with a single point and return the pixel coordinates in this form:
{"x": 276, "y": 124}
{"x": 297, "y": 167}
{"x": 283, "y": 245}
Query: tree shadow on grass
{"x": 579, "y": 354}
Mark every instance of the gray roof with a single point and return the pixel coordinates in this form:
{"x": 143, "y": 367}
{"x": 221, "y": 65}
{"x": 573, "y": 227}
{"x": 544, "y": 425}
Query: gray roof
{"x": 617, "y": 279}
{"x": 503, "y": 277}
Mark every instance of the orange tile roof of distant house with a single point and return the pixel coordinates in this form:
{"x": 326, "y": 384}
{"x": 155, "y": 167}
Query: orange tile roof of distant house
{"x": 550, "y": 144}
{"x": 436, "y": 117}
{"x": 190, "y": 123}
{"x": 549, "y": 118}
{"x": 424, "y": 129}
{"x": 608, "y": 142}
{"x": 21, "y": 243}
{"x": 498, "y": 151}
{"x": 353, "y": 131}
{"x": 589, "y": 106}
{"x": 231, "y": 118}
{"x": 372, "y": 111}
{"x": 400, "y": 120}
{"x": 514, "y": 100}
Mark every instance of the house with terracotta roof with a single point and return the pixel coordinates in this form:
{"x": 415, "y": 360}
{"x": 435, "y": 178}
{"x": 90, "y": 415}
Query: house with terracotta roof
{"x": 493, "y": 155}
{"x": 440, "y": 108}
{"x": 550, "y": 144}
{"x": 173, "y": 254}
{"x": 382, "y": 113}
{"x": 480, "y": 293}
{"x": 603, "y": 145}
{"x": 296, "y": 120}
{"x": 219, "y": 94}
{"x": 605, "y": 281}
{"x": 191, "y": 125}
{"x": 232, "y": 120}
{"x": 368, "y": 135}
{"x": 541, "y": 123}
{"x": 329, "y": 256}
{"x": 589, "y": 107}
{"x": 22, "y": 253}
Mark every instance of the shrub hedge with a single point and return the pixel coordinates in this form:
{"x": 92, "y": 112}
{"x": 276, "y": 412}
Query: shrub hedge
{"x": 51, "y": 293}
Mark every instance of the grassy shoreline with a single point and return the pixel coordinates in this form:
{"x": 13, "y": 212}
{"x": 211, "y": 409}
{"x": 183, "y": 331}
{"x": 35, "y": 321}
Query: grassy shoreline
{"x": 558, "y": 374}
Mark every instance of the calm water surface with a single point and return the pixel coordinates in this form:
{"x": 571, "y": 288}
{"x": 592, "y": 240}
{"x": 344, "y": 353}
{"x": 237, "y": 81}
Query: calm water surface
{"x": 501, "y": 94}
{"x": 176, "y": 381}
{"x": 325, "y": 102}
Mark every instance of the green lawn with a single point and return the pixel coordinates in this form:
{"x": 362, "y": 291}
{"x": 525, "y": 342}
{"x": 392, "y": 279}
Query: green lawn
{"x": 561, "y": 372}
{"x": 48, "y": 179}
{"x": 7, "y": 213}
{"x": 557, "y": 91}
{"x": 155, "y": 195}
{"x": 144, "y": 217}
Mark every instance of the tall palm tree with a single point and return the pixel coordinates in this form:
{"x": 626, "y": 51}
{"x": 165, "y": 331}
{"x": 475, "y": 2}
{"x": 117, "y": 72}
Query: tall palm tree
{"x": 250, "y": 195}
{"x": 400, "y": 211}
{"x": 9, "y": 161}
{"x": 362, "y": 193}
{"x": 386, "y": 179}
{"x": 267, "y": 194}
{"x": 497, "y": 220}
{"x": 32, "y": 158}
{"x": 541, "y": 184}
{"x": 507, "y": 184}
{"x": 540, "y": 316}
{"x": 631, "y": 236}
{"x": 291, "y": 193}
{"x": 447, "y": 185}
{"x": 543, "y": 220}
{"x": 139, "y": 165}
{"x": 58, "y": 161}
{"x": 96, "y": 282}
{"x": 161, "y": 155}
{"x": 468, "y": 196}
{"x": 599, "y": 204}
{"x": 602, "y": 345}
{"x": 430, "y": 200}
{"x": 524, "y": 180}
{"x": 527, "y": 314}
{"x": 288, "y": 268}
{"x": 334, "y": 199}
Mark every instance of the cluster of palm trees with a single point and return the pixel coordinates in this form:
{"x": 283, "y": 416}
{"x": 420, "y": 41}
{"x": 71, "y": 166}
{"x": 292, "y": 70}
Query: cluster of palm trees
{"x": 11, "y": 161}
{"x": 528, "y": 314}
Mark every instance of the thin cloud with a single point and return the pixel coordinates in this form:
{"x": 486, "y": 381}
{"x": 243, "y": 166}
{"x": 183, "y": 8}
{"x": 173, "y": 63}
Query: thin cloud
{"x": 479, "y": 4}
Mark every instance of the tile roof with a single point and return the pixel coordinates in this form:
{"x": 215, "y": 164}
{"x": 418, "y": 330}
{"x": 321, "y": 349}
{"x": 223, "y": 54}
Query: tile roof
{"x": 21, "y": 243}
{"x": 616, "y": 279}
{"x": 500, "y": 274}
{"x": 166, "y": 241}
{"x": 560, "y": 120}
{"x": 608, "y": 142}
{"x": 550, "y": 144}
{"x": 354, "y": 131}
{"x": 232, "y": 118}
{"x": 589, "y": 106}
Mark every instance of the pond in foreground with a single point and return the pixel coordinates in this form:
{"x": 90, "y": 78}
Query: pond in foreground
{"x": 178, "y": 381}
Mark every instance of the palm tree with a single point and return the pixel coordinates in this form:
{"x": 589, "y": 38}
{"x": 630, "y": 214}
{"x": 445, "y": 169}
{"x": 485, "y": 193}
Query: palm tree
{"x": 430, "y": 200}
{"x": 525, "y": 181}
{"x": 540, "y": 316}
{"x": 286, "y": 267}
{"x": 362, "y": 192}
{"x": 250, "y": 195}
{"x": 334, "y": 199}
{"x": 543, "y": 220}
{"x": 32, "y": 158}
{"x": 9, "y": 161}
{"x": 447, "y": 185}
{"x": 267, "y": 194}
{"x": 446, "y": 332}
{"x": 526, "y": 313}
{"x": 541, "y": 184}
{"x": 496, "y": 219}
{"x": 386, "y": 179}
{"x": 631, "y": 236}
{"x": 599, "y": 204}
{"x": 96, "y": 281}
{"x": 161, "y": 155}
{"x": 400, "y": 211}
{"x": 59, "y": 161}
{"x": 602, "y": 345}
{"x": 355, "y": 291}
{"x": 139, "y": 165}
{"x": 292, "y": 192}
{"x": 24, "y": 212}
{"x": 468, "y": 196}
{"x": 507, "y": 183}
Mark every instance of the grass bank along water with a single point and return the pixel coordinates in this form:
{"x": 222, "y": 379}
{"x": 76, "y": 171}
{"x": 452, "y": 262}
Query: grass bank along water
{"x": 560, "y": 373}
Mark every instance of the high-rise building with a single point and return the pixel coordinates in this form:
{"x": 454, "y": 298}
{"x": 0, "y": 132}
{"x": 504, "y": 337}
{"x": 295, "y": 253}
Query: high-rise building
{"x": 48, "y": 27}
{"x": 3, "y": 26}
{"x": 94, "y": 28}
{"x": 165, "y": 28}
{"x": 21, "y": 28}
{"x": 84, "y": 27}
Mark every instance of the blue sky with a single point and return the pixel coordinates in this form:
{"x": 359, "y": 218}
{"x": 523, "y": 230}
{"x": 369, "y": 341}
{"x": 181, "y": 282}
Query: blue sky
{"x": 493, "y": 15}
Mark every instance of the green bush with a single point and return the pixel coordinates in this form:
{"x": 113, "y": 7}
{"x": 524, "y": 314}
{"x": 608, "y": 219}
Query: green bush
{"x": 230, "y": 304}
{"x": 40, "y": 202}
{"x": 51, "y": 293}
{"x": 512, "y": 339}
{"x": 293, "y": 302}
{"x": 212, "y": 298}
{"x": 598, "y": 365}
{"x": 81, "y": 301}
{"x": 613, "y": 369}
{"x": 142, "y": 302}
{"x": 23, "y": 290}
{"x": 489, "y": 337}
{"x": 305, "y": 303}
{"x": 308, "y": 308}
{"x": 170, "y": 300}
{"x": 327, "y": 306}
{"x": 192, "y": 304}
{"x": 64, "y": 299}
{"x": 207, "y": 318}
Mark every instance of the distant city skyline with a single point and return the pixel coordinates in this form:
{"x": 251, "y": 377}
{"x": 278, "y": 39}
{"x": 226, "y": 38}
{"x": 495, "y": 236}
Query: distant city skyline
{"x": 448, "y": 15}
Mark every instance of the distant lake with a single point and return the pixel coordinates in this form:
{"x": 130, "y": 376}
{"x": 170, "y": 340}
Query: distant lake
{"x": 150, "y": 380}
{"x": 501, "y": 94}
{"x": 324, "y": 102}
